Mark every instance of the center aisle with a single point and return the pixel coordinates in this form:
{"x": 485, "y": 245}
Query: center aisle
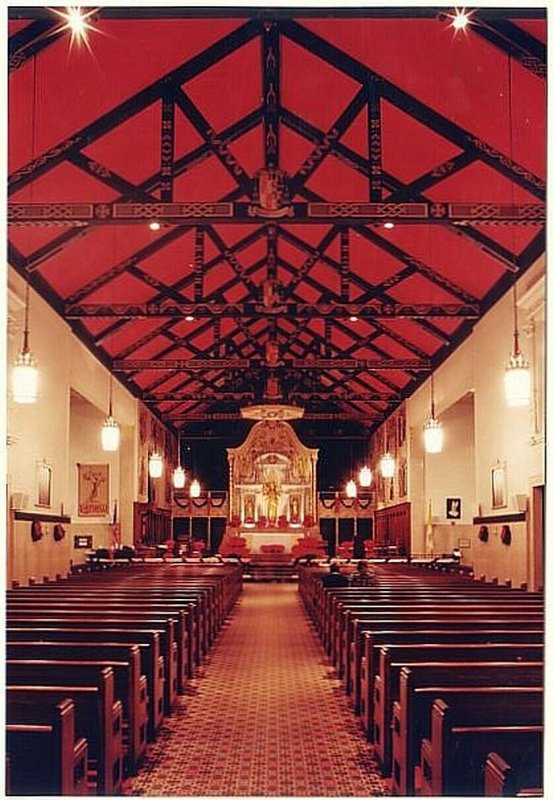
{"x": 266, "y": 717}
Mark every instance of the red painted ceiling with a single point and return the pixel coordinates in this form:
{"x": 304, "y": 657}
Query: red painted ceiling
{"x": 368, "y": 114}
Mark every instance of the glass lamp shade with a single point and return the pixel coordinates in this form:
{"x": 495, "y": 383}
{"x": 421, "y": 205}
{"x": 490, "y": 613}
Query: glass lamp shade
{"x": 387, "y": 465}
{"x": 433, "y": 436}
{"x": 195, "y": 488}
{"x": 25, "y": 378}
{"x": 351, "y": 489}
{"x": 517, "y": 381}
{"x": 110, "y": 434}
{"x": 365, "y": 477}
{"x": 179, "y": 477}
{"x": 155, "y": 465}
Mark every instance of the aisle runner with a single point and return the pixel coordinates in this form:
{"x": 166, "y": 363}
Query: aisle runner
{"x": 266, "y": 717}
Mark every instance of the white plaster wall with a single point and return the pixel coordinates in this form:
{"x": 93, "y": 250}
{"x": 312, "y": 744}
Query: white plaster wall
{"x": 42, "y": 432}
{"x": 511, "y": 437}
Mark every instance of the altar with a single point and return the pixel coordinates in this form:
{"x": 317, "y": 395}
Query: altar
{"x": 255, "y": 538}
{"x": 272, "y": 483}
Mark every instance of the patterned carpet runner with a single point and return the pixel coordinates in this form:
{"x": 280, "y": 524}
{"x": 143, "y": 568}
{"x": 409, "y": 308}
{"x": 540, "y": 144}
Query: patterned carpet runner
{"x": 266, "y": 716}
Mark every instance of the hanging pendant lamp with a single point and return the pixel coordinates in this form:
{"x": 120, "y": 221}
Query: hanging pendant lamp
{"x": 110, "y": 429}
{"x": 387, "y": 464}
{"x": 351, "y": 489}
{"x": 155, "y": 465}
{"x": 365, "y": 477}
{"x": 195, "y": 488}
{"x": 517, "y": 375}
{"x": 25, "y": 372}
{"x": 433, "y": 434}
{"x": 179, "y": 476}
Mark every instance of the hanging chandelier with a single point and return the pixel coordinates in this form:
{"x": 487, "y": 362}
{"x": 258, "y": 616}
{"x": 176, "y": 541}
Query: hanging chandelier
{"x": 179, "y": 476}
{"x": 365, "y": 477}
{"x": 517, "y": 375}
{"x": 155, "y": 465}
{"x": 433, "y": 434}
{"x": 110, "y": 429}
{"x": 25, "y": 372}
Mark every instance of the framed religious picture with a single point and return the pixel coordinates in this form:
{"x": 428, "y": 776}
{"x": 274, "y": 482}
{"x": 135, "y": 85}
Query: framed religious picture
{"x": 93, "y": 490}
{"x": 453, "y": 508}
{"x": 44, "y": 485}
{"x": 498, "y": 486}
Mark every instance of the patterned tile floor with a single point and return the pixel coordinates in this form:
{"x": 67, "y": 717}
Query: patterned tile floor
{"x": 265, "y": 717}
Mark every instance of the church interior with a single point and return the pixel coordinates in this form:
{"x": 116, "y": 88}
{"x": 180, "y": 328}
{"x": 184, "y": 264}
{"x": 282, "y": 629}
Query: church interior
{"x": 276, "y": 401}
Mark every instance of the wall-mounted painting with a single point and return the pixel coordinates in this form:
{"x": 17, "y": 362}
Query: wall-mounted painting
{"x": 453, "y": 508}
{"x": 44, "y": 485}
{"x": 93, "y": 490}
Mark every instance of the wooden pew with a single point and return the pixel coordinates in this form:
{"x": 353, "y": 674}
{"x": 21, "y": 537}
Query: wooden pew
{"x": 110, "y": 610}
{"x": 462, "y": 736}
{"x": 152, "y": 662}
{"x": 393, "y": 657}
{"x": 519, "y": 779}
{"x": 44, "y": 756}
{"x": 412, "y": 623}
{"x": 349, "y": 651}
{"x": 163, "y": 627}
{"x": 98, "y": 718}
{"x": 412, "y": 717}
{"x": 365, "y": 667}
{"x": 90, "y": 651}
{"x": 129, "y": 686}
{"x": 476, "y": 611}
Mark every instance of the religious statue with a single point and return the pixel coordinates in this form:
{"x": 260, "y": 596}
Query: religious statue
{"x": 272, "y": 493}
{"x": 249, "y": 509}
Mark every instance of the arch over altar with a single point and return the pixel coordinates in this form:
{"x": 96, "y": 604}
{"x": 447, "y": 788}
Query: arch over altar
{"x": 272, "y": 478}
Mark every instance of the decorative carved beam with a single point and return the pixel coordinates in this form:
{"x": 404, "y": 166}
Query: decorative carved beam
{"x": 375, "y": 148}
{"x": 217, "y": 143}
{"x": 335, "y": 416}
{"x": 303, "y": 396}
{"x": 345, "y": 265}
{"x": 517, "y": 43}
{"x": 199, "y": 241}
{"x": 339, "y": 213}
{"x": 209, "y": 364}
{"x": 370, "y": 311}
{"x": 167, "y": 146}
{"x": 33, "y": 38}
{"x": 132, "y": 106}
{"x": 271, "y": 76}
{"x": 425, "y": 114}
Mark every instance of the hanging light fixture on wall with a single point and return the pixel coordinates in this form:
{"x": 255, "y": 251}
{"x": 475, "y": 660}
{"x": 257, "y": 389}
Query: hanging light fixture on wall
{"x": 155, "y": 465}
{"x": 110, "y": 428}
{"x": 387, "y": 464}
{"x": 433, "y": 434}
{"x": 365, "y": 477}
{"x": 351, "y": 489}
{"x": 195, "y": 488}
{"x": 179, "y": 476}
{"x": 517, "y": 375}
{"x": 25, "y": 372}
